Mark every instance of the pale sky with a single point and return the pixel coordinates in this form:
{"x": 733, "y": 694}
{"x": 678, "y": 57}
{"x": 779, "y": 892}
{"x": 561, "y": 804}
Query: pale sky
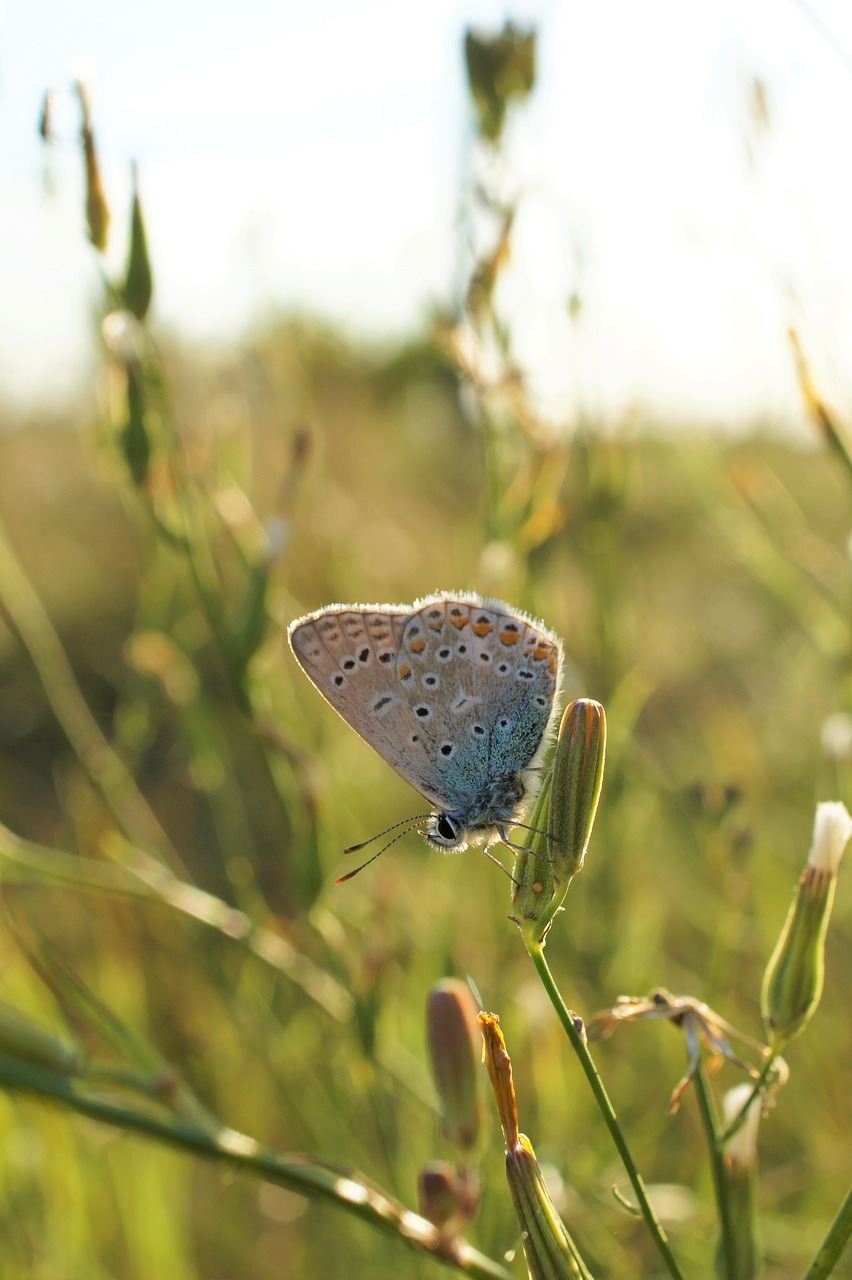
{"x": 311, "y": 156}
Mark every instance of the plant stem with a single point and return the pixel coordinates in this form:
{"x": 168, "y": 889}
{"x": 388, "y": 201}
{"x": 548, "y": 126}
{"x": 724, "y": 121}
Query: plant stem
{"x": 349, "y": 1190}
{"x": 717, "y": 1167}
{"x": 834, "y": 1243}
{"x": 99, "y": 760}
{"x": 739, "y": 1120}
{"x": 578, "y": 1044}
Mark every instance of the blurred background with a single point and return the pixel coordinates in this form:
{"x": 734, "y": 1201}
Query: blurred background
{"x": 359, "y": 304}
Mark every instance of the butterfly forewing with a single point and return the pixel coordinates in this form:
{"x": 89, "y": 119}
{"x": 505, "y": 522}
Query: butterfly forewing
{"x": 350, "y": 653}
{"x": 452, "y": 692}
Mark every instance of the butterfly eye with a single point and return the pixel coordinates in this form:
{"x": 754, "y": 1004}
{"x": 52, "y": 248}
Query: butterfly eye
{"x": 446, "y": 828}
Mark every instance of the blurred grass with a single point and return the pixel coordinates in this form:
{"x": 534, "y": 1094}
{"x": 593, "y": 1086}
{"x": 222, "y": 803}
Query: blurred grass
{"x": 702, "y": 587}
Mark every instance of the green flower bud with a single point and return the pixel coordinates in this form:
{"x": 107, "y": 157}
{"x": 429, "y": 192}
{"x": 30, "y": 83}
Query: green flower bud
{"x": 139, "y": 283}
{"x": 454, "y": 1050}
{"x": 738, "y": 1255}
{"x": 563, "y": 819}
{"x": 792, "y": 984}
{"x": 499, "y": 68}
{"x": 134, "y": 439}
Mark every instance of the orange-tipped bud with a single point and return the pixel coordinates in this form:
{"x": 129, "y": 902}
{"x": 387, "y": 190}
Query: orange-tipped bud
{"x": 549, "y": 1250}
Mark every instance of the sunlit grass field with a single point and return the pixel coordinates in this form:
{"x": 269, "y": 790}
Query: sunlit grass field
{"x": 702, "y": 589}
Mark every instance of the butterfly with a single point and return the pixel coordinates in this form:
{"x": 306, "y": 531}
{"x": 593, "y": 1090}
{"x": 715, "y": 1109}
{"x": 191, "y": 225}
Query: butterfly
{"x": 457, "y": 693}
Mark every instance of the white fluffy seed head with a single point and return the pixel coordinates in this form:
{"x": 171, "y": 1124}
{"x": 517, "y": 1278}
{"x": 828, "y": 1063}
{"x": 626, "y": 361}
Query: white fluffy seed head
{"x": 832, "y": 829}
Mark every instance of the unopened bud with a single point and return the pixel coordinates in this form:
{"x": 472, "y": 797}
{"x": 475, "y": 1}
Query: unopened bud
{"x": 97, "y": 209}
{"x": 134, "y": 440}
{"x": 45, "y": 120}
{"x": 549, "y": 1250}
{"x": 563, "y": 819}
{"x": 741, "y": 1148}
{"x": 448, "y": 1197}
{"x": 454, "y": 1050}
{"x": 738, "y": 1254}
{"x": 500, "y": 68}
{"x": 138, "y": 284}
{"x": 793, "y": 981}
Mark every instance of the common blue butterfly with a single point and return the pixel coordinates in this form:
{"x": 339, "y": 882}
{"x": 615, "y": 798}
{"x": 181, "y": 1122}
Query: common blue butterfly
{"x": 456, "y": 692}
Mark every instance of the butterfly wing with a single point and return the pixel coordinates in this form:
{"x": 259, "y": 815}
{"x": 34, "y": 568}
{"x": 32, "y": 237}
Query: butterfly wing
{"x": 481, "y": 680}
{"x": 452, "y": 692}
{"x": 350, "y": 652}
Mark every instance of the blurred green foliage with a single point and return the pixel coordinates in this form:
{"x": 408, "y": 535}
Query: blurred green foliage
{"x": 702, "y": 588}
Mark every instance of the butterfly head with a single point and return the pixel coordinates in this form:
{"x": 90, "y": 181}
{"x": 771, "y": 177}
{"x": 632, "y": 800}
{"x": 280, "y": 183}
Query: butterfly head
{"x": 446, "y": 832}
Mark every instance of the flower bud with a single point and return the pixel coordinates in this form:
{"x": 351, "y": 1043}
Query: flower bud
{"x": 134, "y": 439}
{"x": 448, "y": 1197}
{"x": 499, "y": 68}
{"x": 738, "y": 1255}
{"x": 139, "y": 283}
{"x": 792, "y": 984}
{"x": 437, "y": 1194}
{"x": 97, "y": 209}
{"x": 566, "y": 811}
{"x": 549, "y": 1250}
{"x": 454, "y": 1050}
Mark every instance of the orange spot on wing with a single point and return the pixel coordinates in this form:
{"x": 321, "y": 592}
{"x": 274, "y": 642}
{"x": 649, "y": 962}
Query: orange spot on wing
{"x": 510, "y": 637}
{"x": 482, "y": 628}
{"x": 417, "y": 646}
{"x": 553, "y": 664}
{"x": 404, "y": 671}
{"x": 542, "y": 651}
{"x": 460, "y": 623}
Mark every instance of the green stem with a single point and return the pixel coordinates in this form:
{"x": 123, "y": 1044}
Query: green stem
{"x": 101, "y": 763}
{"x": 349, "y": 1190}
{"x": 828, "y": 1254}
{"x": 739, "y": 1119}
{"x": 717, "y": 1167}
{"x": 578, "y": 1044}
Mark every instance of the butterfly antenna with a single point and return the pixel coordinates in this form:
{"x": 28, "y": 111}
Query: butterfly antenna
{"x": 408, "y": 823}
{"x": 349, "y": 874}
